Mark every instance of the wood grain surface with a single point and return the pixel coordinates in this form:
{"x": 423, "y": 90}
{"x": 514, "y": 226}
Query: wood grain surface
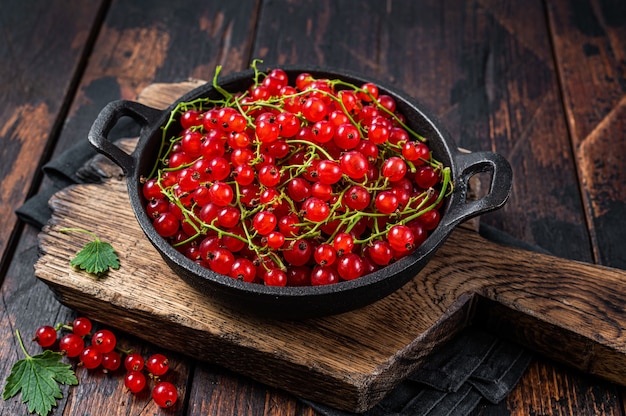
{"x": 39, "y": 73}
{"x": 541, "y": 82}
{"x": 367, "y": 351}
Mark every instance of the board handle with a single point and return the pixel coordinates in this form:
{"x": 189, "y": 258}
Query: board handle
{"x": 473, "y": 163}
{"x": 107, "y": 119}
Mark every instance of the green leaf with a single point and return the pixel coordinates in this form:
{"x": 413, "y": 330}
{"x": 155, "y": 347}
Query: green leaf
{"x": 38, "y": 379}
{"x": 96, "y": 257}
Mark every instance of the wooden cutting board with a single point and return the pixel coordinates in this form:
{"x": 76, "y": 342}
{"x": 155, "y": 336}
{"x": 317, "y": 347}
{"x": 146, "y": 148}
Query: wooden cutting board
{"x": 567, "y": 310}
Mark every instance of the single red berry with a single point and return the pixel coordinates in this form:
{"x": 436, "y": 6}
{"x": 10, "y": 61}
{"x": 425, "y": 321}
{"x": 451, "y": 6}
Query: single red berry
{"x": 220, "y": 260}
{"x": 71, "y": 345}
{"x": 299, "y": 252}
{"x": 400, "y": 238}
{"x": 380, "y": 252}
{"x": 354, "y": 164}
{"x": 329, "y": 172}
{"x": 45, "y": 336}
{"x": 133, "y": 362}
{"x": 166, "y": 225}
{"x": 343, "y": 243}
{"x": 315, "y": 209}
{"x": 243, "y": 269}
{"x": 386, "y": 202}
{"x": 426, "y": 177}
{"x": 347, "y": 136}
{"x": 275, "y": 277}
{"x": 111, "y": 361}
{"x": 314, "y": 109}
{"x": 104, "y": 341}
{"x": 394, "y": 168}
{"x": 90, "y": 358}
{"x": 135, "y": 381}
{"x": 325, "y": 254}
{"x": 164, "y": 394}
{"x": 357, "y": 198}
{"x": 370, "y": 92}
{"x": 264, "y": 222}
{"x": 157, "y": 364}
{"x": 322, "y": 275}
{"x": 350, "y": 266}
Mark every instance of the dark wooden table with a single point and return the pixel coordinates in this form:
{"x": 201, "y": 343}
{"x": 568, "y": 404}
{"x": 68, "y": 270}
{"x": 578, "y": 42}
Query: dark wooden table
{"x": 541, "y": 82}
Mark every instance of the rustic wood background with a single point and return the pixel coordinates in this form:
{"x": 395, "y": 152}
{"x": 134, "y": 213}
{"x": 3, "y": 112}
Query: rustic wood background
{"x": 541, "y": 81}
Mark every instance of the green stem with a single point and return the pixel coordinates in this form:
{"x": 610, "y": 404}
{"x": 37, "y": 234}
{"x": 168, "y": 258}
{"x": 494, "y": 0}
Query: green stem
{"x": 19, "y": 339}
{"x": 80, "y": 230}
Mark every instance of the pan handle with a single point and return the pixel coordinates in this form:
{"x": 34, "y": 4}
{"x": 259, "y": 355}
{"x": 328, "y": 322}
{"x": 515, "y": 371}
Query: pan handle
{"x": 108, "y": 118}
{"x": 473, "y": 163}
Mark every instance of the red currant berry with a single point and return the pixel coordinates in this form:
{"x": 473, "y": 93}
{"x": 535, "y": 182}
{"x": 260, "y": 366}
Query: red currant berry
{"x": 400, "y": 238}
{"x": 220, "y": 260}
{"x": 350, "y": 266}
{"x": 299, "y": 252}
{"x": 221, "y": 193}
{"x": 426, "y": 177}
{"x": 329, "y": 172}
{"x": 323, "y": 276}
{"x": 343, "y": 243}
{"x": 314, "y": 109}
{"x": 152, "y": 190}
{"x": 380, "y": 252}
{"x": 299, "y": 276}
{"x": 315, "y": 209}
{"x": 264, "y": 222}
{"x": 325, "y": 254}
{"x": 416, "y": 152}
{"x": 90, "y": 358}
{"x": 166, "y": 225}
{"x": 357, "y": 198}
{"x": 104, "y": 341}
{"x": 386, "y": 202}
{"x": 157, "y": 364}
{"x": 370, "y": 92}
{"x": 354, "y": 164}
{"x": 135, "y": 381}
{"x": 288, "y": 124}
{"x": 347, "y": 137}
{"x": 133, "y": 362}
{"x": 243, "y": 269}
{"x": 298, "y": 189}
{"x": 111, "y": 361}
{"x": 164, "y": 394}
{"x": 191, "y": 118}
{"x": 275, "y": 239}
{"x": 45, "y": 336}
{"x": 394, "y": 168}
{"x": 71, "y": 345}
{"x": 275, "y": 277}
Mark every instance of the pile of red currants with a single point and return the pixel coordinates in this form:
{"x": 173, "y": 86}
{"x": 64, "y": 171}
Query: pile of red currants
{"x": 290, "y": 185}
{"x": 102, "y": 352}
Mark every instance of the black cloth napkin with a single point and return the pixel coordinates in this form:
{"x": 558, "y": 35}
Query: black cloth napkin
{"x": 472, "y": 367}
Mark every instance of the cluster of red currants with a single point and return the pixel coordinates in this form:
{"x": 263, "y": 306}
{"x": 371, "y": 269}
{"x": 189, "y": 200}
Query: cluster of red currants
{"x": 304, "y": 184}
{"x": 103, "y": 353}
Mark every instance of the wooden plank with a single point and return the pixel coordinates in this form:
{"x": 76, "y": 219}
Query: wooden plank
{"x": 590, "y": 47}
{"x": 141, "y": 43}
{"x": 486, "y": 69}
{"x": 564, "y": 309}
{"x": 37, "y": 75}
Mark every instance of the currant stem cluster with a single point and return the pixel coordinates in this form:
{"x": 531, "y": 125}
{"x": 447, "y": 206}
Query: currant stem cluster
{"x": 248, "y": 123}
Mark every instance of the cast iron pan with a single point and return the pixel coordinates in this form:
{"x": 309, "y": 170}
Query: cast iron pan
{"x": 310, "y": 301}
